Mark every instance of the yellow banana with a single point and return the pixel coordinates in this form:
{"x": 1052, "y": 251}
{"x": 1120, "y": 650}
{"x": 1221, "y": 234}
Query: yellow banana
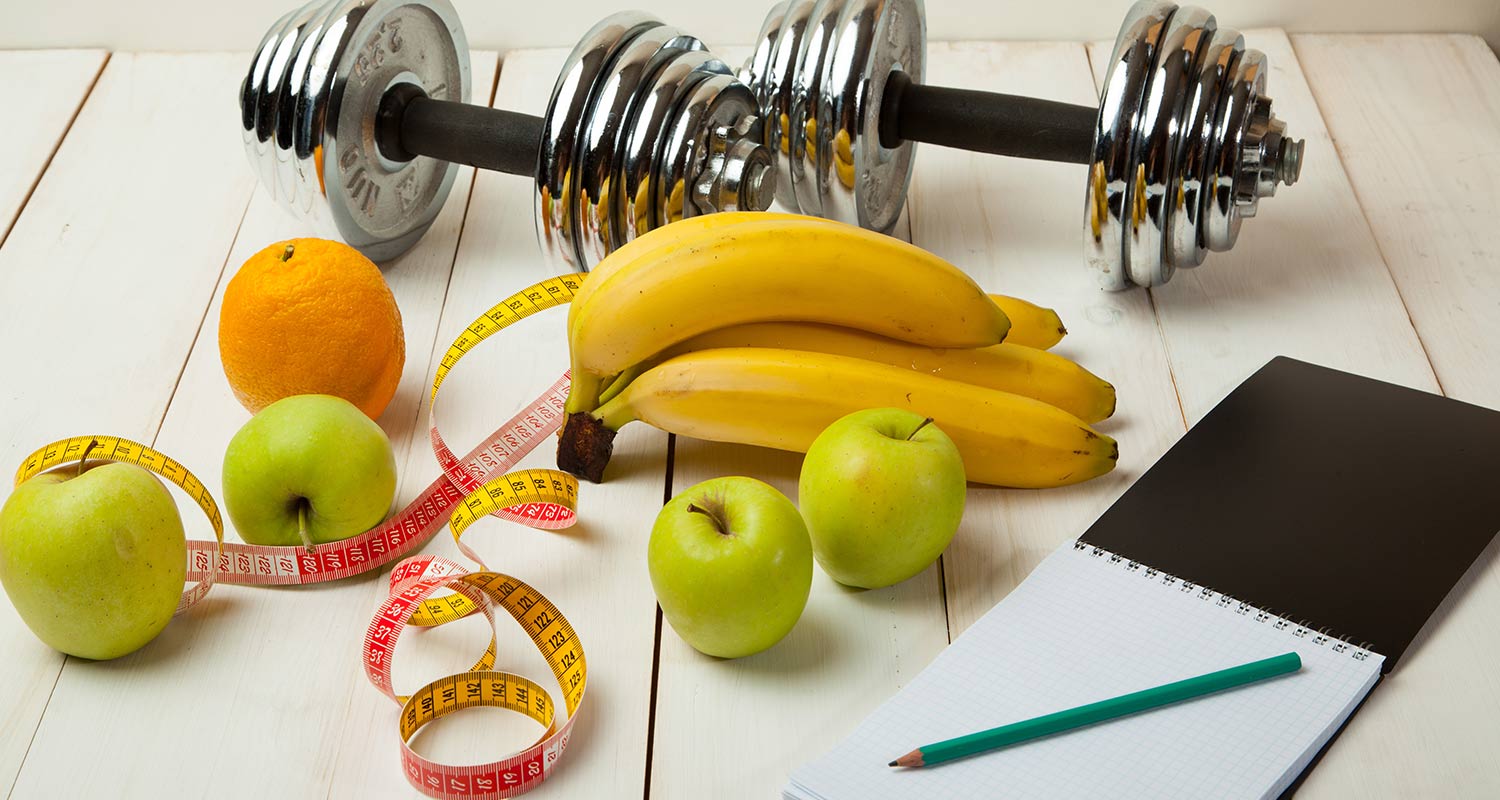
{"x": 726, "y": 269}
{"x": 1030, "y": 324}
{"x": 1007, "y": 367}
{"x": 784, "y": 398}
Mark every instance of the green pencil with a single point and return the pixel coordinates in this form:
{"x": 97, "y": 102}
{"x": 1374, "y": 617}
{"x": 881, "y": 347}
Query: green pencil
{"x": 1113, "y": 708}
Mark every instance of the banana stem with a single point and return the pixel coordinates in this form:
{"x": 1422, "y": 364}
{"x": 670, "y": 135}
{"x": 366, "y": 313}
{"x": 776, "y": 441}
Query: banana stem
{"x": 620, "y": 383}
{"x": 614, "y": 414}
{"x": 583, "y": 395}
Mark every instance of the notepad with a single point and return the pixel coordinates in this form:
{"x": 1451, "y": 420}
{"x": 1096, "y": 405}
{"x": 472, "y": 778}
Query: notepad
{"x": 1087, "y": 625}
{"x": 1311, "y": 510}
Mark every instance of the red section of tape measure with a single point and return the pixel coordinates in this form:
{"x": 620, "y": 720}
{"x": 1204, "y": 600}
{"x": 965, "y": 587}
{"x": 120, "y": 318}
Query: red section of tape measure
{"x": 461, "y": 495}
{"x": 468, "y": 472}
{"x": 265, "y": 565}
{"x": 412, "y": 582}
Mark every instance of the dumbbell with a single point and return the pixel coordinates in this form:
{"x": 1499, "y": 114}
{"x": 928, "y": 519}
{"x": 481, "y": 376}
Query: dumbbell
{"x": 352, "y": 113}
{"x": 1180, "y": 149}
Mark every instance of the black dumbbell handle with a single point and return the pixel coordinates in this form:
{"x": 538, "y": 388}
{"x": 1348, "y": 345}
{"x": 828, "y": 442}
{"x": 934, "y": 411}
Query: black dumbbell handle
{"x": 986, "y": 122}
{"x": 409, "y": 124}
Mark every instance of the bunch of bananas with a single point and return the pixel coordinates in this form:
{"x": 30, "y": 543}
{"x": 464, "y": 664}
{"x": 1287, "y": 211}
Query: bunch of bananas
{"x": 763, "y": 329}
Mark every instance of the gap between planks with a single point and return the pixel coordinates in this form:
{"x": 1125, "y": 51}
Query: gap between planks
{"x": 1416, "y": 120}
{"x": 5, "y": 235}
{"x": 56, "y": 228}
{"x": 52, "y": 152}
{"x": 208, "y": 386}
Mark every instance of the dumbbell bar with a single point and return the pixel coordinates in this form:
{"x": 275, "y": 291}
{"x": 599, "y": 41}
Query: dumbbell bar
{"x": 645, "y": 126}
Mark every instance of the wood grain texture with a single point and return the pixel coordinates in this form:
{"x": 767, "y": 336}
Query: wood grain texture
{"x": 1304, "y": 280}
{"x": 735, "y": 729}
{"x": 105, "y": 277}
{"x": 44, "y": 90}
{"x": 260, "y": 688}
{"x": 1016, "y": 226}
{"x": 1416, "y": 120}
{"x": 254, "y": 676}
{"x": 594, "y": 572}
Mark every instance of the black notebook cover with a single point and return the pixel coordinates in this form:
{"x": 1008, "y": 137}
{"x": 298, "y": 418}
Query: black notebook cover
{"x": 1339, "y": 502}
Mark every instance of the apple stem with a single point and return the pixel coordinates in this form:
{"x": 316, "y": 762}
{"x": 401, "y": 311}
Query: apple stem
{"x": 85, "y": 457}
{"x": 924, "y": 424}
{"x": 302, "y": 525}
{"x": 719, "y": 524}
{"x": 286, "y": 255}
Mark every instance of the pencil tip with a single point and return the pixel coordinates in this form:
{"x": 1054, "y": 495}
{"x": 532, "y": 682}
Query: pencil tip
{"x": 892, "y": 764}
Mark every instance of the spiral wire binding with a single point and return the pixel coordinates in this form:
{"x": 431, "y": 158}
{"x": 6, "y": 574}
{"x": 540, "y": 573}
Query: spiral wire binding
{"x": 1300, "y": 629}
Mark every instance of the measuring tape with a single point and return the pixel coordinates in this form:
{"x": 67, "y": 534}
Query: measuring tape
{"x": 471, "y": 487}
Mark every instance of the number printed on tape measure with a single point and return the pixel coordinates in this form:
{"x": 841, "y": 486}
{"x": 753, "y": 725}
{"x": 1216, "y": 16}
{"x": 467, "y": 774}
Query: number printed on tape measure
{"x": 471, "y": 488}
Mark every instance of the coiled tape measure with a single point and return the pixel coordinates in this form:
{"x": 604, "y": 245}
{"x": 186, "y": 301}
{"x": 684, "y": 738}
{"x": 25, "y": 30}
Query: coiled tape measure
{"x": 470, "y": 488}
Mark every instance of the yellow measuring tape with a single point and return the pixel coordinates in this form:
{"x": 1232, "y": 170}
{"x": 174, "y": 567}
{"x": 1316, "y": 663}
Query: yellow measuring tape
{"x": 472, "y": 487}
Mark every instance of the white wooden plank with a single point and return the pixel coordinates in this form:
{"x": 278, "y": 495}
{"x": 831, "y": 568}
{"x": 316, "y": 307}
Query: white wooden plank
{"x": 595, "y": 572}
{"x": 1305, "y": 278}
{"x": 1416, "y": 120}
{"x": 1016, "y": 226}
{"x": 105, "y": 276}
{"x": 736, "y": 729}
{"x": 731, "y": 729}
{"x": 255, "y": 676}
{"x": 43, "y": 90}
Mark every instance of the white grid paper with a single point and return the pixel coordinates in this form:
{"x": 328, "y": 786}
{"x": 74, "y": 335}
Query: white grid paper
{"x": 1085, "y": 626}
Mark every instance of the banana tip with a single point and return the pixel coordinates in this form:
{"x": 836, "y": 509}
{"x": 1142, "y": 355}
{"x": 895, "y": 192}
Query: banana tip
{"x": 585, "y": 446}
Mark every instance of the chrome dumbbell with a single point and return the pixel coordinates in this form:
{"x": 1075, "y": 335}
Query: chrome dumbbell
{"x": 1180, "y": 149}
{"x": 350, "y": 111}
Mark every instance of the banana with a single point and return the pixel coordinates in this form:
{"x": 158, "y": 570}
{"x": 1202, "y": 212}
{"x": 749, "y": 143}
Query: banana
{"x": 1030, "y": 324}
{"x": 784, "y": 398}
{"x": 1007, "y": 367}
{"x": 730, "y": 268}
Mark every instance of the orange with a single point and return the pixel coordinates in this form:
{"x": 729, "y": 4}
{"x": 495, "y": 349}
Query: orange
{"x": 310, "y": 316}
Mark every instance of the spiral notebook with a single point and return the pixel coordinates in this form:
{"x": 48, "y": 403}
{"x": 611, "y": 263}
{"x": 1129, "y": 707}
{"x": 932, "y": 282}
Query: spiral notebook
{"x": 1312, "y": 510}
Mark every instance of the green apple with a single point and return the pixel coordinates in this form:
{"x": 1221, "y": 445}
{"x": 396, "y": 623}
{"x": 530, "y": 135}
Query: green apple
{"x": 93, "y": 562}
{"x": 306, "y": 470}
{"x": 731, "y": 566}
{"x": 882, "y": 491}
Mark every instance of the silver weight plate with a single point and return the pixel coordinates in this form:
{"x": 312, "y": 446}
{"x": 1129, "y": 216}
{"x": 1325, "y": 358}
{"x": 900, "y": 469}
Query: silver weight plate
{"x": 717, "y": 101}
{"x": 622, "y": 87}
{"x": 759, "y": 64}
{"x": 774, "y": 89}
{"x": 1157, "y": 140}
{"x": 1223, "y": 217}
{"x": 308, "y": 113}
{"x": 863, "y": 182}
{"x": 1193, "y": 182}
{"x": 808, "y": 96}
{"x": 1107, "y": 210}
{"x": 674, "y": 78}
{"x": 568, "y": 109}
{"x": 268, "y": 106}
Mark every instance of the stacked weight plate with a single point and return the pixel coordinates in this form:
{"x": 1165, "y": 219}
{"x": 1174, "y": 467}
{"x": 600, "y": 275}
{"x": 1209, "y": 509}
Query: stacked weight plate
{"x": 1185, "y": 146}
{"x": 308, "y": 115}
{"x": 640, "y": 119}
{"x": 819, "y": 72}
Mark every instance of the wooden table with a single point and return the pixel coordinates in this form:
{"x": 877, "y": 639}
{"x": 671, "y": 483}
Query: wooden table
{"x": 126, "y": 205}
